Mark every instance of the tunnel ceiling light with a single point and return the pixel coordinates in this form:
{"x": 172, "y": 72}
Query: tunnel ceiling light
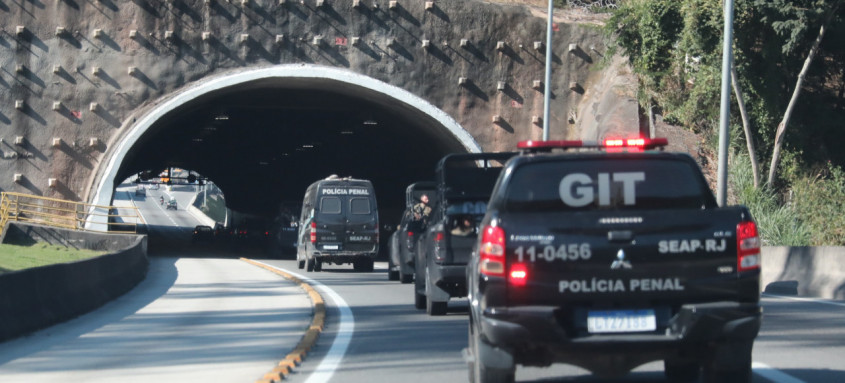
{"x": 307, "y": 146}
{"x": 263, "y": 163}
{"x": 221, "y": 117}
{"x": 370, "y": 122}
{"x": 347, "y": 132}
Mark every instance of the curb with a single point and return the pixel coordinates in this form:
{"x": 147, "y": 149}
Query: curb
{"x": 295, "y": 357}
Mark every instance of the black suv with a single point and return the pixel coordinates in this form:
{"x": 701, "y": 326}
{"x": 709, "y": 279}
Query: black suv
{"x": 403, "y": 242}
{"x": 464, "y": 183}
{"x": 608, "y": 261}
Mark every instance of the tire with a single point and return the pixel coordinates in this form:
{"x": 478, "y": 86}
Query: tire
{"x": 678, "y": 371}
{"x": 309, "y": 264}
{"x": 419, "y": 300}
{"x": 363, "y": 265}
{"x": 392, "y": 275}
{"x": 434, "y": 308}
{"x": 300, "y": 264}
{"x": 482, "y": 373}
{"x": 730, "y": 363}
{"x": 318, "y": 265}
{"x": 406, "y": 278}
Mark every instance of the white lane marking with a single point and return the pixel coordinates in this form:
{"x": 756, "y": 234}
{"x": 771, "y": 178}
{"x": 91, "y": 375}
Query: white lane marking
{"x": 811, "y": 300}
{"x": 772, "y": 374}
{"x": 332, "y": 360}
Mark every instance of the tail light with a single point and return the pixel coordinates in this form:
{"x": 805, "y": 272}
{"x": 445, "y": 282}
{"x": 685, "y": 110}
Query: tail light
{"x": 492, "y": 251}
{"x": 409, "y": 240}
{"x": 439, "y": 254}
{"x": 518, "y": 275}
{"x": 313, "y": 231}
{"x": 747, "y": 246}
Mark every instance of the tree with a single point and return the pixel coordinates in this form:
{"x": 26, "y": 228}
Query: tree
{"x": 796, "y": 92}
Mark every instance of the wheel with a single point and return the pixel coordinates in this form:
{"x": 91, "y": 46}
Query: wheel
{"x": 363, "y": 264}
{"x": 309, "y": 264}
{"x": 300, "y": 264}
{"x": 318, "y": 265}
{"x": 434, "y": 308}
{"x": 392, "y": 275}
{"x": 679, "y": 371}
{"x": 482, "y": 373}
{"x": 419, "y": 285}
{"x": 407, "y": 278}
{"x": 730, "y": 362}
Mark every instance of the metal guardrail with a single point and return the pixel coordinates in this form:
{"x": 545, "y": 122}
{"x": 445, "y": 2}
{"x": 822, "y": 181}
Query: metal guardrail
{"x": 65, "y": 214}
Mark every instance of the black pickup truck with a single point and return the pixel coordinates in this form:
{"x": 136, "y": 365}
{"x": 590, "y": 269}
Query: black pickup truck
{"x": 610, "y": 259}
{"x": 463, "y": 186}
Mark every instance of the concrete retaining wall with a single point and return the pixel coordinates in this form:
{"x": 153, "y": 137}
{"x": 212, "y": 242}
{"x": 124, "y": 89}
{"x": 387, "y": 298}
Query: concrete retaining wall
{"x": 35, "y": 298}
{"x": 806, "y": 271}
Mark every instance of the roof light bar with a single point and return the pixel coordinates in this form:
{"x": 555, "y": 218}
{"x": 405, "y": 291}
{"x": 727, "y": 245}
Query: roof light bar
{"x": 633, "y": 143}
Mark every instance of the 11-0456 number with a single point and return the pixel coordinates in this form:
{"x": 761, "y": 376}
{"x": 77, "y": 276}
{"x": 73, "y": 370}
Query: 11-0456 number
{"x": 570, "y": 252}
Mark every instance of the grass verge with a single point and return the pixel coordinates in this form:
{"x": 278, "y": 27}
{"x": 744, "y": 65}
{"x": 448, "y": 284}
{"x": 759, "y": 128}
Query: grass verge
{"x": 13, "y": 257}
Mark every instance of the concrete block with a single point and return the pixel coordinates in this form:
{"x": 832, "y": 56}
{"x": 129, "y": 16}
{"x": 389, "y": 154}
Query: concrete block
{"x": 19, "y": 104}
{"x": 18, "y": 178}
{"x": 57, "y": 142}
{"x": 98, "y": 33}
{"x": 426, "y": 44}
{"x": 497, "y": 119}
{"x": 19, "y": 140}
{"x": 464, "y": 43}
{"x": 393, "y": 5}
{"x": 537, "y": 84}
{"x": 60, "y": 31}
{"x": 57, "y": 69}
{"x": 539, "y": 46}
{"x": 133, "y": 34}
{"x": 132, "y": 70}
{"x": 573, "y": 48}
{"x": 57, "y": 105}
{"x": 244, "y": 38}
{"x": 501, "y": 85}
{"x": 96, "y": 71}
{"x": 356, "y": 41}
{"x": 206, "y": 36}
{"x": 280, "y": 39}
{"x": 429, "y": 5}
{"x": 52, "y": 182}
{"x": 93, "y": 142}
{"x": 536, "y": 120}
{"x": 20, "y": 30}
{"x": 93, "y": 107}
{"x": 501, "y": 46}
{"x": 462, "y": 80}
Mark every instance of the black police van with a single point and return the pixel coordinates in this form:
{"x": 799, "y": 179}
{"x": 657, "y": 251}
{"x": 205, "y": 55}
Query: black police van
{"x": 403, "y": 241}
{"x": 610, "y": 260}
{"x": 338, "y": 224}
{"x": 464, "y": 183}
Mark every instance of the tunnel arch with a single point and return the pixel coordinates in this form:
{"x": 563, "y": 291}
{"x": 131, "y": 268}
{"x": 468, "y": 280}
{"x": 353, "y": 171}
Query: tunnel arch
{"x": 330, "y": 78}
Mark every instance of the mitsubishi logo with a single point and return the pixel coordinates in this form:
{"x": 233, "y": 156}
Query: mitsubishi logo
{"x": 620, "y": 262}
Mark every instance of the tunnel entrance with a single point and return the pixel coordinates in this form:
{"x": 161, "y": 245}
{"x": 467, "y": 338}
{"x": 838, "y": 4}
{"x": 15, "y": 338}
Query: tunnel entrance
{"x": 264, "y": 135}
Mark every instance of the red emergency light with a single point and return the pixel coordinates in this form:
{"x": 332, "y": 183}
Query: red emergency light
{"x": 632, "y": 144}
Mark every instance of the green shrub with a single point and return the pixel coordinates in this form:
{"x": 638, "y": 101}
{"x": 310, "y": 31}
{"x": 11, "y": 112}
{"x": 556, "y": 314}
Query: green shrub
{"x": 778, "y": 225}
{"x": 819, "y": 201}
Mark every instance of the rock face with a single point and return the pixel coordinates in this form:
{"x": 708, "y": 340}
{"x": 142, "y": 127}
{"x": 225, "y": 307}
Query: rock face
{"x": 77, "y": 74}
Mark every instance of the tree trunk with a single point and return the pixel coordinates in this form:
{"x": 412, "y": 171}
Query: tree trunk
{"x": 746, "y": 126}
{"x": 788, "y": 114}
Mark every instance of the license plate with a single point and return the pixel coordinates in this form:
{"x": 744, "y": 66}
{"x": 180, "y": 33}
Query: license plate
{"x": 329, "y": 247}
{"x": 621, "y": 321}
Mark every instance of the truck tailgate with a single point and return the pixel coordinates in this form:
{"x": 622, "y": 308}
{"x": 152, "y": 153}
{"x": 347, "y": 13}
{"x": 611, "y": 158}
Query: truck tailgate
{"x": 630, "y": 259}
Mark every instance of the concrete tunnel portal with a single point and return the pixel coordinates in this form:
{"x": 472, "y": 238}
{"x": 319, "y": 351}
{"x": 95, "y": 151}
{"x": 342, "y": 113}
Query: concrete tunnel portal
{"x": 264, "y": 135}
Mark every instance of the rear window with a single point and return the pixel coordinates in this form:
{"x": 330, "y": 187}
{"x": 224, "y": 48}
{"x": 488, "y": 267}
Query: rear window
{"x": 359, "y": 205}
{"x": 330, "y": 205}
{"x": 607, "y": 184}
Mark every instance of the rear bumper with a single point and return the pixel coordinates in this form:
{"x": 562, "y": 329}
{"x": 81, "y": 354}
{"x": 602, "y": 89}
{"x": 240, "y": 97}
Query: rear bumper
{"x": 539, "y": 330}
{"x": 451, "y": 279}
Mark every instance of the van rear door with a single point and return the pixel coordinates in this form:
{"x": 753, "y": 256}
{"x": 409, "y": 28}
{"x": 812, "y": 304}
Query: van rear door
{"x": 361, "y": 224}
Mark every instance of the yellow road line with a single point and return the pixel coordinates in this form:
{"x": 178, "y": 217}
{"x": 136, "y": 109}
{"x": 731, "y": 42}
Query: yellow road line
{"x": 309, "y": 339}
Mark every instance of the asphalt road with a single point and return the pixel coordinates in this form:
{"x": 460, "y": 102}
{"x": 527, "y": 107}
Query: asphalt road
{"x": 801, "y": 340}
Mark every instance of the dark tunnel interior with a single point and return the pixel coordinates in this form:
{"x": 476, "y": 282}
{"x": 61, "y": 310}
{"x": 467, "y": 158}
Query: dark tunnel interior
{"x": 263, "y": 144}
